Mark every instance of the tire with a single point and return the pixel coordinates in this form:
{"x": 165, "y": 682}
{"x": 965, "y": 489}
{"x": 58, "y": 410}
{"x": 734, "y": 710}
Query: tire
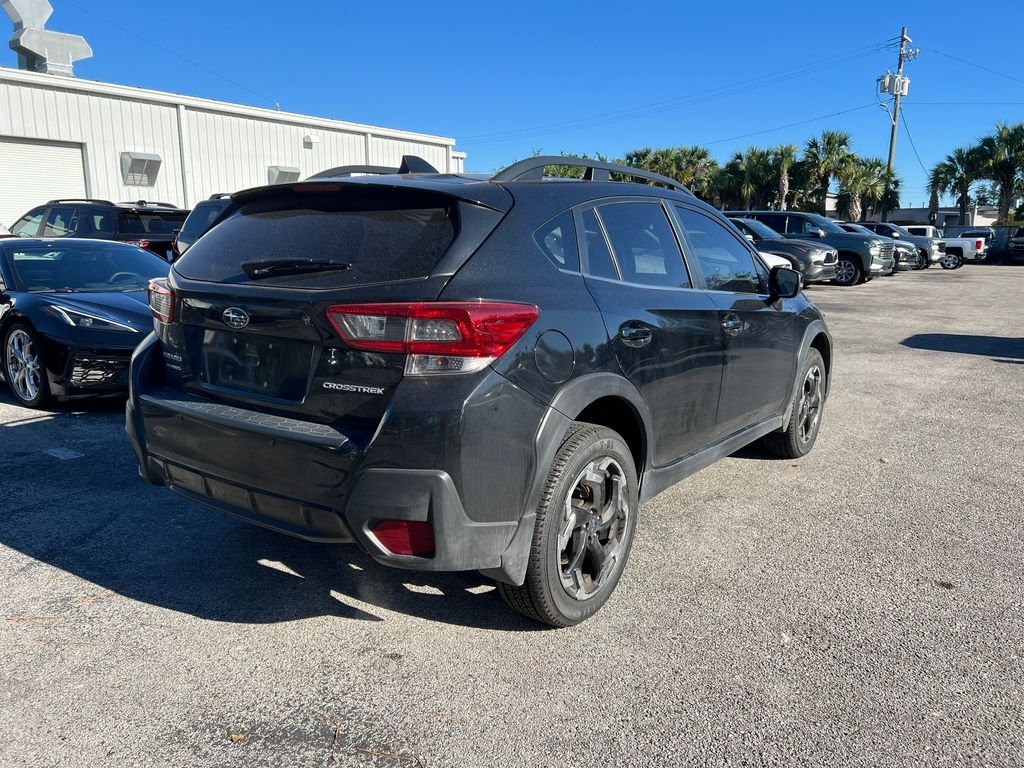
{"x": 23, "y": 367}
{"x": 952, "y": 261}
{"x": 561, "y": 565}
{"x": 848, "y": 272}
{"x": 798, "y": 438}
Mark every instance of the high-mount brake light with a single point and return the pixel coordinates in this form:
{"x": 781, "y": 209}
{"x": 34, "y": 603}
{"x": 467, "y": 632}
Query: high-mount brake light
{"x": 161, "y": 300}
{"x": 438, "y": 337}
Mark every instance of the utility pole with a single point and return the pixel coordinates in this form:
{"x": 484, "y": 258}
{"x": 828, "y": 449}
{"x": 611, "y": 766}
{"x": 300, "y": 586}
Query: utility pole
{"x": 898, "y": 86}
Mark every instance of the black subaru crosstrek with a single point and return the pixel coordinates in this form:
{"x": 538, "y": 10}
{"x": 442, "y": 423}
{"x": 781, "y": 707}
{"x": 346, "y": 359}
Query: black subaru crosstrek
{"x": 461, "y": 372}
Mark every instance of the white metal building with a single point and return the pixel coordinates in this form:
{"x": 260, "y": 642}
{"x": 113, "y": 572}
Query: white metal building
{"x": 62, "y": 137}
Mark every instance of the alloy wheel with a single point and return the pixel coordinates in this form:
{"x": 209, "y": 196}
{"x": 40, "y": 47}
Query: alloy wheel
{"x": 23, "y": 369}
{"x": 592, "y": 539}
{"x": 844, "y": 272}
{"x": 809, "y": 411}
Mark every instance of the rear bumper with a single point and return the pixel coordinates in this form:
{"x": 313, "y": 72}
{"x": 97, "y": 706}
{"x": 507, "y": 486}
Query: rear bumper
{"x": 314, "y": 482}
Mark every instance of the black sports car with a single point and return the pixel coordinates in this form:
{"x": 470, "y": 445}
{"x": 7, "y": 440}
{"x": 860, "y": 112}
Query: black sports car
{"x": 71, "y": 312}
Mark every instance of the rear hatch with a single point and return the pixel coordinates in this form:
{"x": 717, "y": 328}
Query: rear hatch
{"x": 153, "y": 230}
{"x": 253, "y": 295}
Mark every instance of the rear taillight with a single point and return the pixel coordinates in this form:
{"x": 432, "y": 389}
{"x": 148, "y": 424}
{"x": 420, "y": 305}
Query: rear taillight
{"x": 140, "y": 243}
{"x": 161, "y": 300}
{"x": 979, "y": 245}
{"x": 405, "y": 537}
{"x": 438, "y": 337}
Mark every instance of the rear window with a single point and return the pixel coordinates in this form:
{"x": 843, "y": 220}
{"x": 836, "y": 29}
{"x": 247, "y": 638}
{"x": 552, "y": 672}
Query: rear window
{"x": 383, "y": 235}
{"x": 202, "y": 218}
{"x": 147, "y": 223}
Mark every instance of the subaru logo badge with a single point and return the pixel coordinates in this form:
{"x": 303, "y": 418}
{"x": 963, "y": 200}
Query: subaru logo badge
{"x": 234, "y": 317}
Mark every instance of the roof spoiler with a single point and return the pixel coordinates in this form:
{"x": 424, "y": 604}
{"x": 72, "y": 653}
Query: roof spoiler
{"x": 410, "y": 164}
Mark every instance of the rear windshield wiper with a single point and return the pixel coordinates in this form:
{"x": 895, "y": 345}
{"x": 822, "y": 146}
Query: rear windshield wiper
{"x": 271, "y": 267}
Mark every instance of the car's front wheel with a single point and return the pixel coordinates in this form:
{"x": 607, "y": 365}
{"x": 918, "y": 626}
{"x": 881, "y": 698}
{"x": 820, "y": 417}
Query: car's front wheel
{"x": 798, "y": 437}
{"x": 848, "y": 271}
{"x": 23, "y": 367}
{"x": 584, "y": 529}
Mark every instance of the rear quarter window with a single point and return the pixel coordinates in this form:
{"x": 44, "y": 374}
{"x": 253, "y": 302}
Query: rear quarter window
{"x": 382, "y": 234}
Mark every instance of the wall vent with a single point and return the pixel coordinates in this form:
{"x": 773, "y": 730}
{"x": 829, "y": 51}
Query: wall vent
{"x": 139, "y": 169}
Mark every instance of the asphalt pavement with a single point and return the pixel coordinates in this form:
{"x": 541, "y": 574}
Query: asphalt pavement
{"x": 863, "y": 606}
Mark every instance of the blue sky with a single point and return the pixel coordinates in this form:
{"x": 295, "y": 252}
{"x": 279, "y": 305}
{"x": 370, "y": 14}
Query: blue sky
{"x": 507, "y": 78}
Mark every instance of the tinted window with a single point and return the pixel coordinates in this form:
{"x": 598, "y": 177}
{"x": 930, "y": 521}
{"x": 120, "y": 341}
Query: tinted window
{"x": 60, "y": 222}
{"x": 146, "y": 223}
{"x": 28, "y": 225}
{"x": 776, "y": 221}
{"x": 202, "y": 218}
{"x": 84, "y": 266}
{"x": 599, "y": 258}
{"x": 383, "y": 235}
{"x": 798, "y": 225}
{"x": 727, "y": 265}
{"x": 557, "y": 239}
{"x": 645, "y": 248}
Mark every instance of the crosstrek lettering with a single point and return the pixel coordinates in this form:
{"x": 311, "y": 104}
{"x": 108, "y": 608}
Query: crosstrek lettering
{"x": 364, "y": 390}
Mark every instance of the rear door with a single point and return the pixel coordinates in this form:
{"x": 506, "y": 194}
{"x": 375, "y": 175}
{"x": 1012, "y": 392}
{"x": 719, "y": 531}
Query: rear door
{"x": 759, "y": 335}
{"x": 662, "y": 331}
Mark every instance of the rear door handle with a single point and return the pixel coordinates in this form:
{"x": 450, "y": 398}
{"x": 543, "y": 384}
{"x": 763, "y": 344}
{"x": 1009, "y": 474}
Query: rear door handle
{"x": 635, "y": 335}
{"x": 732, "y": 325}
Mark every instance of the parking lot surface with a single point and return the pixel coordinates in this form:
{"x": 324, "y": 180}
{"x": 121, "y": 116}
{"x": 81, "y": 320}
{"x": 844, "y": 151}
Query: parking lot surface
{"x": 861, "y": 606}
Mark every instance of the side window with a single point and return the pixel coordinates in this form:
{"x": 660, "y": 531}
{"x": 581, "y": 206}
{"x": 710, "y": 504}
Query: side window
{"x": 643, "y": 243}
{"x": 557, "y": 238}
{"x": 776, "y": 221}
{"x": 28, "y": 225}
{"x": 599, "y": 258}
{"x": 798, "y": 225}
{"x": 727, "y": 265}
{"x": 61, "y": 222}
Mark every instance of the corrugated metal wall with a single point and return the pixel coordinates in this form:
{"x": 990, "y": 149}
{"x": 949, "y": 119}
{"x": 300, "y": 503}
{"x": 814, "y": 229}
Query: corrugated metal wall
{"x": 221, "y": 151}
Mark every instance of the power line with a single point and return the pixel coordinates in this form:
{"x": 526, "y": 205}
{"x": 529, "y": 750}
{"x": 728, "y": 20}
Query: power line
{"x": 674, "y": 103}
{"x": 913, "y": 146}
{"x": 136, "y": 36}
{"x": 789, "y": 125}
{"x": 977, "y": 66}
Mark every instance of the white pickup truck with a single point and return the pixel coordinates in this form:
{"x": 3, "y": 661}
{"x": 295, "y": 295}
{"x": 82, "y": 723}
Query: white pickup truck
{"x": 956, "y": 250}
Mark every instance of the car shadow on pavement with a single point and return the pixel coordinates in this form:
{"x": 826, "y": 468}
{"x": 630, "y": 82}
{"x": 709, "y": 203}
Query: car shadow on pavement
{"x": 92, "y": 516}
{"x": 1000, "y": 348}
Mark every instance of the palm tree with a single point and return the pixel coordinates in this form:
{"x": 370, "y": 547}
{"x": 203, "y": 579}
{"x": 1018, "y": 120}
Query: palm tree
{"x": 827, "y": 157}
{"x": 961, "y": 168}
{"x": 749, "y": 180}
{"x": 784, "y": 156}
{"x": 1002, "y": 158}
{"x": 697, "y": 168}
{"x": 862, "y": 181}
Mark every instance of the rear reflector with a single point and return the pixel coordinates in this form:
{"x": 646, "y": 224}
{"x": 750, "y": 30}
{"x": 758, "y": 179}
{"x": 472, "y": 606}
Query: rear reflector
{"x": 161, "y": 300}
{"x": 405, "y": 537}
{"x": 439, "y": 337}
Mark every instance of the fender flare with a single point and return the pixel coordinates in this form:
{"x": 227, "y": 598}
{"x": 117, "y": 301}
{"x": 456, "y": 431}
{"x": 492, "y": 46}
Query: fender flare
{"x": 567, "y": 403}
{"x": 813, "y": 329}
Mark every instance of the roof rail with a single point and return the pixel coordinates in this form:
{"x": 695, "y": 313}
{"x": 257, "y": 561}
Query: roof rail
{"x": 219, "y": 195}
{"x": 149, "y": 203}
{"x": 80, "y": 200}
{"x": 532, "y": 169}
{"x": 410, "y": 164}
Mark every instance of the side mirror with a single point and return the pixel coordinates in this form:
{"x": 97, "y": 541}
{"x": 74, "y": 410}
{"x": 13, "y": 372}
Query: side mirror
{"x": 749, "y": 237}
{"x": 816, "y": 232}
{"x": 784, "y": 283}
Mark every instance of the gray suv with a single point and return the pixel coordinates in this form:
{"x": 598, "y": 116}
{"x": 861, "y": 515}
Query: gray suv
{"x": 861, "y": 257}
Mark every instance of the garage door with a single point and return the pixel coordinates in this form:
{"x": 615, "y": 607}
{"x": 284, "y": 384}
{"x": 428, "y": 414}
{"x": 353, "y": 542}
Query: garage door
{"x": 32, "y": 172}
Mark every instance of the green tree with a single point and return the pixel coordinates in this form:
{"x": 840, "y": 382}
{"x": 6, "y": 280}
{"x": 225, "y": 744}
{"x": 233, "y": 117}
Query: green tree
{"x": 1002, "y": 154}
{"x": 954, "y": 175}
{"x": 861, "y": 182}
{"x": 827, "y": 157}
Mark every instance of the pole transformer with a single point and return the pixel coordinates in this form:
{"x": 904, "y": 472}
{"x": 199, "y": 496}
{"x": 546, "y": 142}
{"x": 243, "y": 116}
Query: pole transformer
{"x": 898, "y": 86}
